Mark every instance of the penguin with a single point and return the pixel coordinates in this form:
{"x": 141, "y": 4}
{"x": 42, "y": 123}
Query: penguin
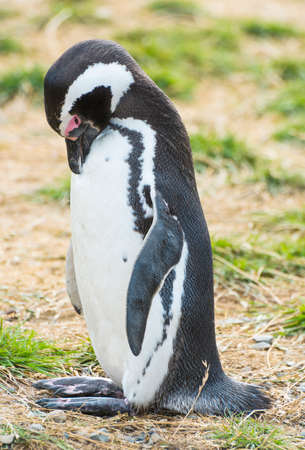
{"x": 139, "y": 267}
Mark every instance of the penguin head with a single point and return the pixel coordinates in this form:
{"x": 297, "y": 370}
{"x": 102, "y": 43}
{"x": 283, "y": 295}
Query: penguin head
{"x": 82, "y": 90}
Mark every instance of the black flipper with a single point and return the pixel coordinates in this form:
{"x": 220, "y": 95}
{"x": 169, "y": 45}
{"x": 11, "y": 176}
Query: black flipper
{"x": 96, "y": 406}
{"x": 161, "y": 251}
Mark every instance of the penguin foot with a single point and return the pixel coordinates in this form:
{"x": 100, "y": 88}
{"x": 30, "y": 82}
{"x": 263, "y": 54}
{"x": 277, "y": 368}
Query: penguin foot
{"x": 102, "y": 406}
{"x": 80, "y": 387}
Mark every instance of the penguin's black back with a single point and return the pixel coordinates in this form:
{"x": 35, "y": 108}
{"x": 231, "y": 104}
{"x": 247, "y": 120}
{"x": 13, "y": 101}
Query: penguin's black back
{"x": 195, "y": 341}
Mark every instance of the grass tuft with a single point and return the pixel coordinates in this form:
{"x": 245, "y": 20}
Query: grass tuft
{"x": 80, "y": 11}
{"x": 21, "y": 350}
{"x": 29, "y": 439}
{"x": 17, "y": 81}
{"x": 84, "y": 356}
{"x": 290, "y": 101}
{"x": 59, "y": 192}
{"x": 9, "y": 45}
{"x": 259, "y": 258}
{"x": 293, "y": 132}
{"x": 209, "y": 150}
{"x": 289, "y": 69}
{"x": 275, "y": 30}
{"x": 289, "y": 221}
{"x": 178, "y": 58}
{"x": 250, "y": 433}
{"x": 7, "y": 13}
{"x": 175, "y": 7}
{"x": 231, "y": 154}
{"x": 278, "y": 179}
{"x": 296, "y": 322}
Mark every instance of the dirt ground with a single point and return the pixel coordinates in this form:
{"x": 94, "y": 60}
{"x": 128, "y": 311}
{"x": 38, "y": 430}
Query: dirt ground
{"x": 35, "y": 236}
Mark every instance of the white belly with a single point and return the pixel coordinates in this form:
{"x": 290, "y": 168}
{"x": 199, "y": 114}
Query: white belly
{"x": 103, "y": 238}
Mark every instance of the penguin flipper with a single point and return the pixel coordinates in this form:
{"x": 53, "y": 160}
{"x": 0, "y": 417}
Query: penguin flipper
{"x": 71, "y": 284}
{"x": 160, "y": 253}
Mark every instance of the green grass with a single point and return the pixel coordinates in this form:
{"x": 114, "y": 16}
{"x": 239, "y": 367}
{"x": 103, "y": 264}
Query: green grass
{"x": 268, "y": 257}
{"x": 84, "y": 356}
{"x": 210, "y": 150}
{"x": 177, "y": 58}
{"x": 26, "y": 437}
{"x": 21, "y": 80}
{"x": 289, "y": 69}
{"x": 274, "y": 30}
{"x": 295, "y": 324}
{"x": 290, "y": 100}
{"x": 80, "y": 11}
{"x": 85, "y": 12}
{"x": 59, "y": 192}
{"x": 278, "y": 179}
{"x": 9, "y": 45}
{"x": 175, "y": 7}
{"x": 7, "y": 13}
{"x": 290, "y": 221}
{"x": 251, "y": 433}
{"x": 21, "y": 350}
{"x": 293, "y": 132}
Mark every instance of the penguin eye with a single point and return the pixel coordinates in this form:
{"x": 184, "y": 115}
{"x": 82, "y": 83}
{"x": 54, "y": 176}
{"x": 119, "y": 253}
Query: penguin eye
{"x": 76, "y": 120}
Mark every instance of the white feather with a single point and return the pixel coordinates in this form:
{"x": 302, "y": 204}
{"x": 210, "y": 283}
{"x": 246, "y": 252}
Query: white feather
{"x": 102, "y": 234}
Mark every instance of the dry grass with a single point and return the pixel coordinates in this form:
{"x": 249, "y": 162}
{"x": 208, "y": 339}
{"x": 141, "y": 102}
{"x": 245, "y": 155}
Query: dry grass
{"x": 35, "y": 237}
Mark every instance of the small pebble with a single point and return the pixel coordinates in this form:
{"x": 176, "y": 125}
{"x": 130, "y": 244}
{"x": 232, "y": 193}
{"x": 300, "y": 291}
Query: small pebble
{"x": 15, "y": 260}
{"x": 290, "y": 363}
{"x": 7, "y": 439}
{"x": 135, "y": 438}
{"x": 100, "y": 435}
{"x": 264, "y": 338}
{"x": 140, "y": 437}
{"x": 154, "y": 438}
{"x": 301, "y": 387}
{"x": 261, "y": 346}
{"x": 36, "y": 427}
{"x": 57, "y": 416}
{"x": 233, "y": 321}
{"x": 37, "y": 413}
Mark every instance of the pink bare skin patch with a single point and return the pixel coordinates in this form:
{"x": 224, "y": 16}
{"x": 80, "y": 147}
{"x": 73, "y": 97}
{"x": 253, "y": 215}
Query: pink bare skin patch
{"x": 74, "y": 122}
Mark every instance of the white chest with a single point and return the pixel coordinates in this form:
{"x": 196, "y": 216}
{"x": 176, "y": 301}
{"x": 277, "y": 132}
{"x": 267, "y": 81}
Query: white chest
{"x": 105, "y": 247}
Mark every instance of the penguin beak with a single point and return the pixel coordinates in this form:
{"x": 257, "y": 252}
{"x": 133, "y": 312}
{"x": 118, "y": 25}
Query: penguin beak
{"x": 78, "y": 145}
{"x": 75, "y": 155}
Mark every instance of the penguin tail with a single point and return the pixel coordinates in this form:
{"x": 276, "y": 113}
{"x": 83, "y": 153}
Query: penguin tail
{"x": 227, "y": 396}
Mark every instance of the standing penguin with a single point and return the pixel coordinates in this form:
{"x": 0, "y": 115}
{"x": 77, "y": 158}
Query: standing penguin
{"x": 140, "y": 264}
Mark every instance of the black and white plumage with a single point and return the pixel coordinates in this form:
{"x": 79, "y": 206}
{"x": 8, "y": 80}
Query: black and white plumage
{"x": 140, "y": 265}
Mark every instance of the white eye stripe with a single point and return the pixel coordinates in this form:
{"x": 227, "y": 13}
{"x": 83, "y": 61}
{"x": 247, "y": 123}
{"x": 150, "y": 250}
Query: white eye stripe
{"x": 113, "y": 75}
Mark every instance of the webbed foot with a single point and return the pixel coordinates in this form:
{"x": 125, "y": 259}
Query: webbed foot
{"x": 96, "y": 406}
{"x": 90, "y": 395}
{"x": 80, "y": 386}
